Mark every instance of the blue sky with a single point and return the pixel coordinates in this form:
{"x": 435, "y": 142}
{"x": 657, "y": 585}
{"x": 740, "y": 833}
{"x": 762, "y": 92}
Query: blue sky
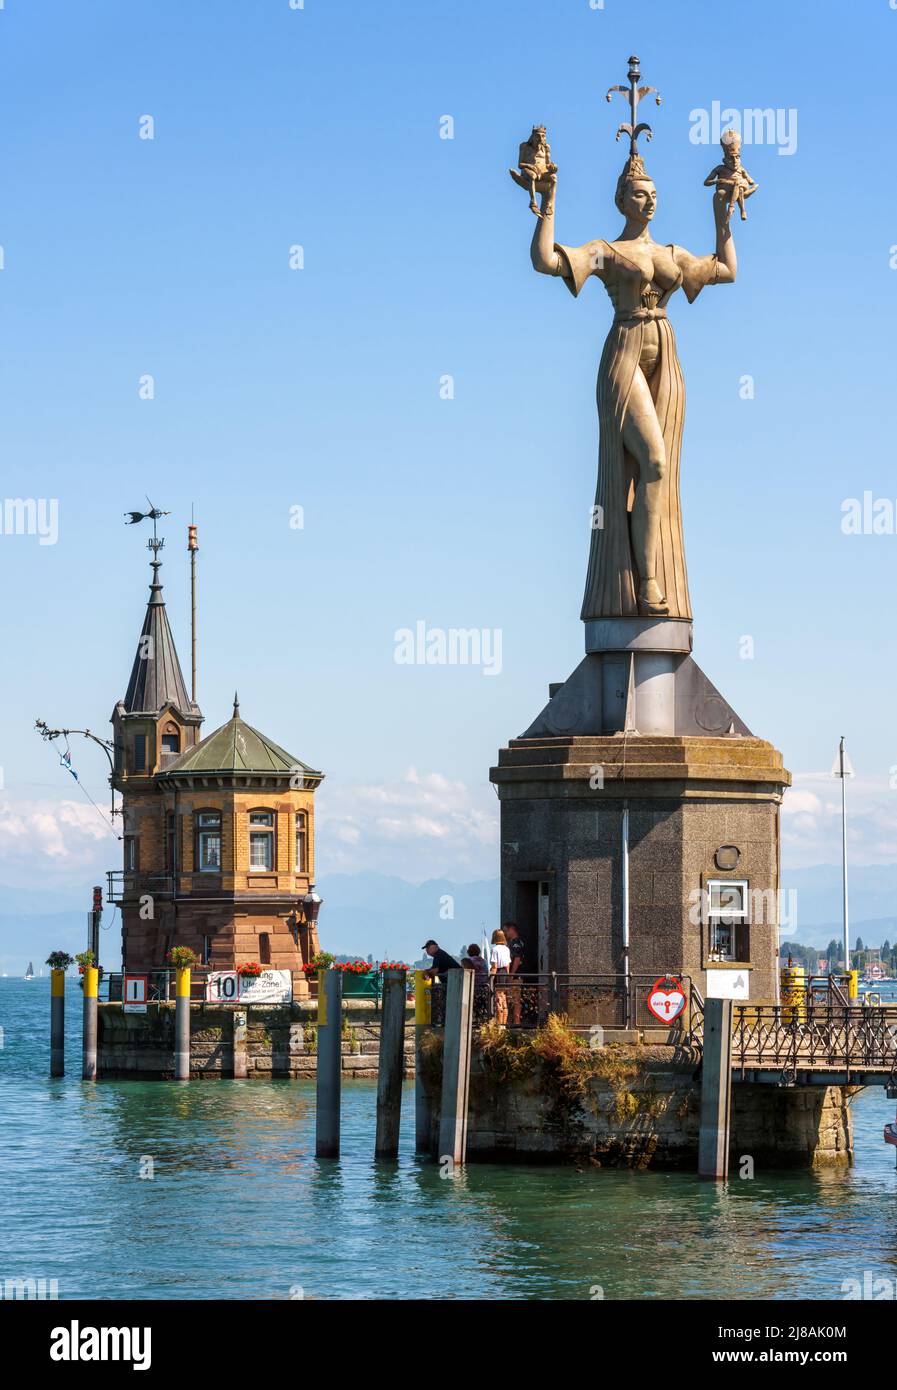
{"x": 319, "y": 388}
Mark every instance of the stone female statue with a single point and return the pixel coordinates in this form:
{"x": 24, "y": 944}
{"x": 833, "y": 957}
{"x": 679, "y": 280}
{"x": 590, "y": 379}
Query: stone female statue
{"x": 637, "y": 558}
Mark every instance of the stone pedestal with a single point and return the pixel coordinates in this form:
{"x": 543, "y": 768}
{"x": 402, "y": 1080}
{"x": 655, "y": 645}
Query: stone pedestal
{"x": 688, "y": 798}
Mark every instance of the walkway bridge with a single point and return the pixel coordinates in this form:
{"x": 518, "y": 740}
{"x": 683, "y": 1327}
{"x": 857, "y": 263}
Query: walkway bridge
{"x": 820, "y": 1037}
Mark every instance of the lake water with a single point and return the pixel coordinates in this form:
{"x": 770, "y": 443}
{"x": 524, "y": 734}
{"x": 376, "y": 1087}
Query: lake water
{"x": 238, "y": 1206}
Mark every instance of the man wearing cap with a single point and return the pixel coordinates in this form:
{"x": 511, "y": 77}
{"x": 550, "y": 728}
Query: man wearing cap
{"x": 442, "y": 961}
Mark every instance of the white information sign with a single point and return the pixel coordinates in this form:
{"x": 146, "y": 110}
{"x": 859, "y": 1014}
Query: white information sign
{"x": 271, "y": 987}
{"x": 222, "y": 987}
{"x": 133, "y": 994}
{"x": 227, "y": 987}
{"x": 728, "y": 984}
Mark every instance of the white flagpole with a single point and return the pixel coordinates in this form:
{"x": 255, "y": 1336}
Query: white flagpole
{"x": 843, "y": 774}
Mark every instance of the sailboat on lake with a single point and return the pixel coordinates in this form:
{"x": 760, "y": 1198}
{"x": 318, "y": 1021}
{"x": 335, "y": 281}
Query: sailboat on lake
{"x": 29, "y": 973}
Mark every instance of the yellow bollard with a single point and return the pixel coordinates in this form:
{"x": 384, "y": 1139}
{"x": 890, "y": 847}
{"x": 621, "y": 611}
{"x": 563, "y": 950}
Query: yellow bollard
{"x": 853, "y": 989}
{"x": 182, "y": 1024}
{"x": 423, "y": 997}
{"x": 57, "y": 1023}
{"x": 322, "y": 999}
{"x": 423, "y": 1017}
{"x": 794, "y": 993}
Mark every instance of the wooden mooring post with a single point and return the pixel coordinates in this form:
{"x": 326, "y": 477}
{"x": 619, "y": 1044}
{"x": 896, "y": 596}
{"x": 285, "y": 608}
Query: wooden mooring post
{"x": 391, "y": 1064}
{"x": 91, "y": 979}
{"x": 716, "y": 1090}
{"x": 329, "y": 1063}
{"x": 57, "y": 1023}
{"x": 423, "y": 1014}
{"x": 456, "y": 1066}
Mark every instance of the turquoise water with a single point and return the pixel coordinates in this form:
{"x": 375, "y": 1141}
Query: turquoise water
{"x": 238, "y": 1206}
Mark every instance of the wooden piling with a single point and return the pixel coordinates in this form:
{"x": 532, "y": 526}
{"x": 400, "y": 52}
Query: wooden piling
{"x": 57, "y": 1023}
{"x": 329, "y": 1063}
{"x": 182, "y": 1024}
{"x": 423, "y": 1013}
{"x": 456, "y": 1066}
{"x": 91, "y": 983}
{"x": 390, "y": 1064}
{"x": 240, "y": 1020}
{"x": 716, "y": 1090}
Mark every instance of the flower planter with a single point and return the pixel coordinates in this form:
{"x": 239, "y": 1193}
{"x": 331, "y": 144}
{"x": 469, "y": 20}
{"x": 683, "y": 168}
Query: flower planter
{"x": 359, "y": 986}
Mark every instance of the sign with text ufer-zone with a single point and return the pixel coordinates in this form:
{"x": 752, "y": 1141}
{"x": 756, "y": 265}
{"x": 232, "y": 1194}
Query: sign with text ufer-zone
{"x": 133, "y": 994}
{"x": 229, "y": 987}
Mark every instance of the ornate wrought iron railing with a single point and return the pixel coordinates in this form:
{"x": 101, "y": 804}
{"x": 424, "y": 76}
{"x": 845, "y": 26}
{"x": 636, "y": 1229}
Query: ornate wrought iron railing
{"x": 585, "y": 1000}
{"x": 836, "y": 1037}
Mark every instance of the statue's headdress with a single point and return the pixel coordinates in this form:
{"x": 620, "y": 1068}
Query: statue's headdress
{"x": 634, "y": 168}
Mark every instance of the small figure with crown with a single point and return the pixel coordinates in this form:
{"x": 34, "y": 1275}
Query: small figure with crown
{"x": 731, "y": 177}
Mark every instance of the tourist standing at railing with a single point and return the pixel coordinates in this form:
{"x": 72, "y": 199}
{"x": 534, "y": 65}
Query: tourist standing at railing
{"x": 442, "y": 962}
{"x": 517, "y": 949}
{"x": 479, "y": 967}
{"x": 499, "y": 969}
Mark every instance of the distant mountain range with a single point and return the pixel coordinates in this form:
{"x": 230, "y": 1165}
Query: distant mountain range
{"x": 379, "y": 915}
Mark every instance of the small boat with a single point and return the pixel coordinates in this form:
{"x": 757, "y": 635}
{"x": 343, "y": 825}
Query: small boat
{"x": 29, "y": 973}
{"x": 891, "y": 1134}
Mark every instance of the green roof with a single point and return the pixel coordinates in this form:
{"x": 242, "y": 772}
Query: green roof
{"x": 236, "y": 747}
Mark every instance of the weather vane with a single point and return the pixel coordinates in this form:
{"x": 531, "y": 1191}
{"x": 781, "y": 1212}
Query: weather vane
{"x": 156, "y": 543}
{"x": 633, "y": 94}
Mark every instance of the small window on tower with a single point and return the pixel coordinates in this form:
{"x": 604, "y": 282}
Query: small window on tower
{"x": 208, "y": 842}
{"x": 261, "y": 841}
{"x": 301, "y": 843}
{"x": 139, "y": 752}
{"x": 171, "y": 743}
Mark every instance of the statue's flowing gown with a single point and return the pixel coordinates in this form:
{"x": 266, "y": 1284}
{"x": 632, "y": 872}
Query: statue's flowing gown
{"x": 612, "y": 581}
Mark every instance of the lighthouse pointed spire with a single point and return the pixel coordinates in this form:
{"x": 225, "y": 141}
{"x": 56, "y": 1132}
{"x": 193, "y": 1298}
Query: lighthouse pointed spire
{"x": 156, "y": 677}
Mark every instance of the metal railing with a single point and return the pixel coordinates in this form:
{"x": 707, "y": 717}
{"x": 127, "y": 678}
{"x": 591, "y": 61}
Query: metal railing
{"x": 797, "y": 1035}
{"x": 585, "y": 1000}
{"x": 160, "y": 984}
{"x": 122, "y": 884}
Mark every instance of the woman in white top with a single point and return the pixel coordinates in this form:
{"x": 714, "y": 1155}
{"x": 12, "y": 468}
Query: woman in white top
{"x": 499, "y": 966}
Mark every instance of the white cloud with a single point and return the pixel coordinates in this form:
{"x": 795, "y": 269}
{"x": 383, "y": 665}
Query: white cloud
{"x": 811, "y": 821}
{"x": 63, "y": 833}
{"x": 423, "y": 825}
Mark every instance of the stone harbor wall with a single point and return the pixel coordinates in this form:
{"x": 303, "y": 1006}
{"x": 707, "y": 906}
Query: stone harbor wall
{"x": 255, "y": 1041}
{"x": 635, "y": 1107}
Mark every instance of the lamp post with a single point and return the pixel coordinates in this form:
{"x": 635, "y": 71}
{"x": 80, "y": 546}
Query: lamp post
{"x": 310, "y": 904}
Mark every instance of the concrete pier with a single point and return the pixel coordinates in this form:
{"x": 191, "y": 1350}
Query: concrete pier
{"x": 391, "y": 1066}
{"x": 716, "y": 1090}
{"x": 327, "y": 1118}
{"x": 456, "y": 1066}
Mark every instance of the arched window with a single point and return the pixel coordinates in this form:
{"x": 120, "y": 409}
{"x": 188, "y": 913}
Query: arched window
{"x": 208, "y": 842}
{"x": 261, "y": 841}
{"x": 171, "y": 739}
{"x": 301, "y": 842}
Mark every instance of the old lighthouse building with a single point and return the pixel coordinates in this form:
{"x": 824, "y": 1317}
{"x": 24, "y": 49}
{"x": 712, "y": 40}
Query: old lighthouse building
{"x": 218, "y": 831}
